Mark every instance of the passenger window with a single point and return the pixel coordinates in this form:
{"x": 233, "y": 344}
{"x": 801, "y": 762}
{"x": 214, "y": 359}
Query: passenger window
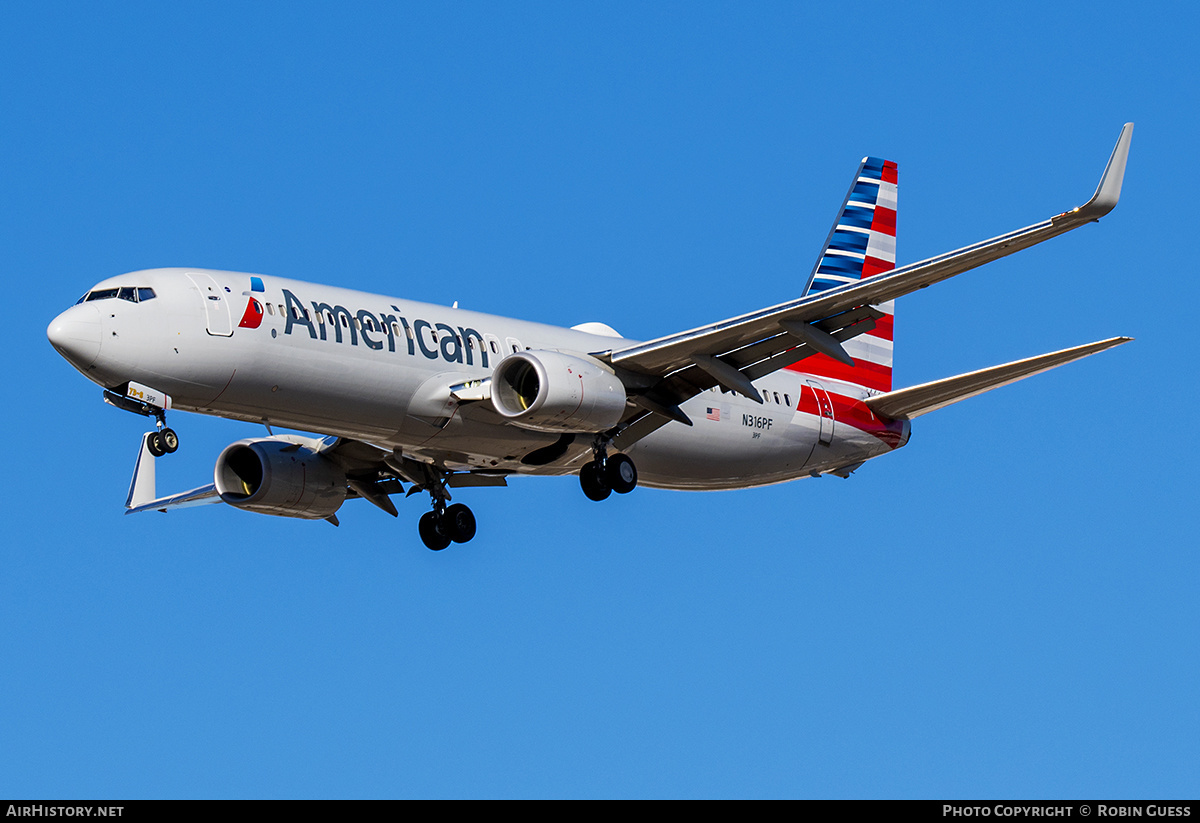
{"x": 271, "y": 309}
{"x": 776, "y": 397}
{"x": 787, "y": 399}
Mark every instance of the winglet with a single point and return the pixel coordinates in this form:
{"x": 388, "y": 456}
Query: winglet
{"x": 141, "y": 487}
{"x": 1109, "y": 191}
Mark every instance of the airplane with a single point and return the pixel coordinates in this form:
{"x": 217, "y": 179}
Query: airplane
{"x": 435, "y": 398}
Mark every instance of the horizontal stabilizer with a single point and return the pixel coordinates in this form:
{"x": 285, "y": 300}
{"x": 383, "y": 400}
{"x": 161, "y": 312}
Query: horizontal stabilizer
{"x": 918, "y": 400}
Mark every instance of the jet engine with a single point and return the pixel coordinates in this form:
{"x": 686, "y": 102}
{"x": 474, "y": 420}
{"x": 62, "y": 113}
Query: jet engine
{"x": 280, "y": 477}
{"x": 555, "y": 392}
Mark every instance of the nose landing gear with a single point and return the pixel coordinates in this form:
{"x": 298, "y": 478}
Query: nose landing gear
{"x": 163, "y": 441}
{"x": 147, "y": 402}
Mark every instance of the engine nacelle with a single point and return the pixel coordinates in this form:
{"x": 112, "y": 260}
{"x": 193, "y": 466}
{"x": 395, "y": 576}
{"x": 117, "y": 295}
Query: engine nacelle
{"x": 555, "y": 392}
{"x": 277, "y": 476}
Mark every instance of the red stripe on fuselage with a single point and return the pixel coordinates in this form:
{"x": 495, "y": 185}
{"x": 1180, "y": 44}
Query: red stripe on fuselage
{"x": 854, "y": 413}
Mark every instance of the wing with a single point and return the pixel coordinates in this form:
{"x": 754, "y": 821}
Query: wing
{"x": 372, "y": 473}
{"x": 665, "y": 372}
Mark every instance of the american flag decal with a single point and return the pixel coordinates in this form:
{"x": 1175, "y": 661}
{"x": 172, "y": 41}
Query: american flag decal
{"x": 714, "y": 414}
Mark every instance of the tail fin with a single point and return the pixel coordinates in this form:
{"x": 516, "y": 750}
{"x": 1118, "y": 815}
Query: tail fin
{"x": 861, "y": 243}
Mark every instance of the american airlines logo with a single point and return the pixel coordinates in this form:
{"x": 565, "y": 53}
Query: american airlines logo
{"x": 433, "y": 340}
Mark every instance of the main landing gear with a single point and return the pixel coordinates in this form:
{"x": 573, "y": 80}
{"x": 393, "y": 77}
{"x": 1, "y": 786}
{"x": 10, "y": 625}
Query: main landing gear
{"x": 445, "y": 524}
{"x": 606, "y": 475}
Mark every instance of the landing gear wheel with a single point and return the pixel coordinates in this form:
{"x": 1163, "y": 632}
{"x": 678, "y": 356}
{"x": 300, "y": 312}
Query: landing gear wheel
{"x": 154, "y": 444}
{"x": 460, "y": 523}
{"x": 434, "y": 532}
{"x": 620, "y": 474}
{"x": 593, "y": 482}
{"x": 169, "y": 440}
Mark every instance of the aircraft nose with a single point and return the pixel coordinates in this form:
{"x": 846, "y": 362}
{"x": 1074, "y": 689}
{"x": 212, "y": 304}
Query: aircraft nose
{"x": 76, "y": 335}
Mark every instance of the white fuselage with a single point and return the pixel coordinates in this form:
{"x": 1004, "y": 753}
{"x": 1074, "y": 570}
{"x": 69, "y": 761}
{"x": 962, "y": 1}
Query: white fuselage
{"x": 375, "y": 369}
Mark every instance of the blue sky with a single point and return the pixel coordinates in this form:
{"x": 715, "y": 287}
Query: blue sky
{"x": 1005, "y": 608}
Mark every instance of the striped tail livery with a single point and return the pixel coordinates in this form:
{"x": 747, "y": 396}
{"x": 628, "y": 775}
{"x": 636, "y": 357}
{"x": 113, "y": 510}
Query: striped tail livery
{"x": 861, "y": 243}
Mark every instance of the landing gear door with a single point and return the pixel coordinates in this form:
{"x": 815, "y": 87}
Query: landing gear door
{"x": 825, "y": 411}
{"x": 217, "y": 315}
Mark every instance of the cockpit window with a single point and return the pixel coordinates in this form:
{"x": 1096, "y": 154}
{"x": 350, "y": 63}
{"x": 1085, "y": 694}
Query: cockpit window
{"x": 130, "y": 293}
